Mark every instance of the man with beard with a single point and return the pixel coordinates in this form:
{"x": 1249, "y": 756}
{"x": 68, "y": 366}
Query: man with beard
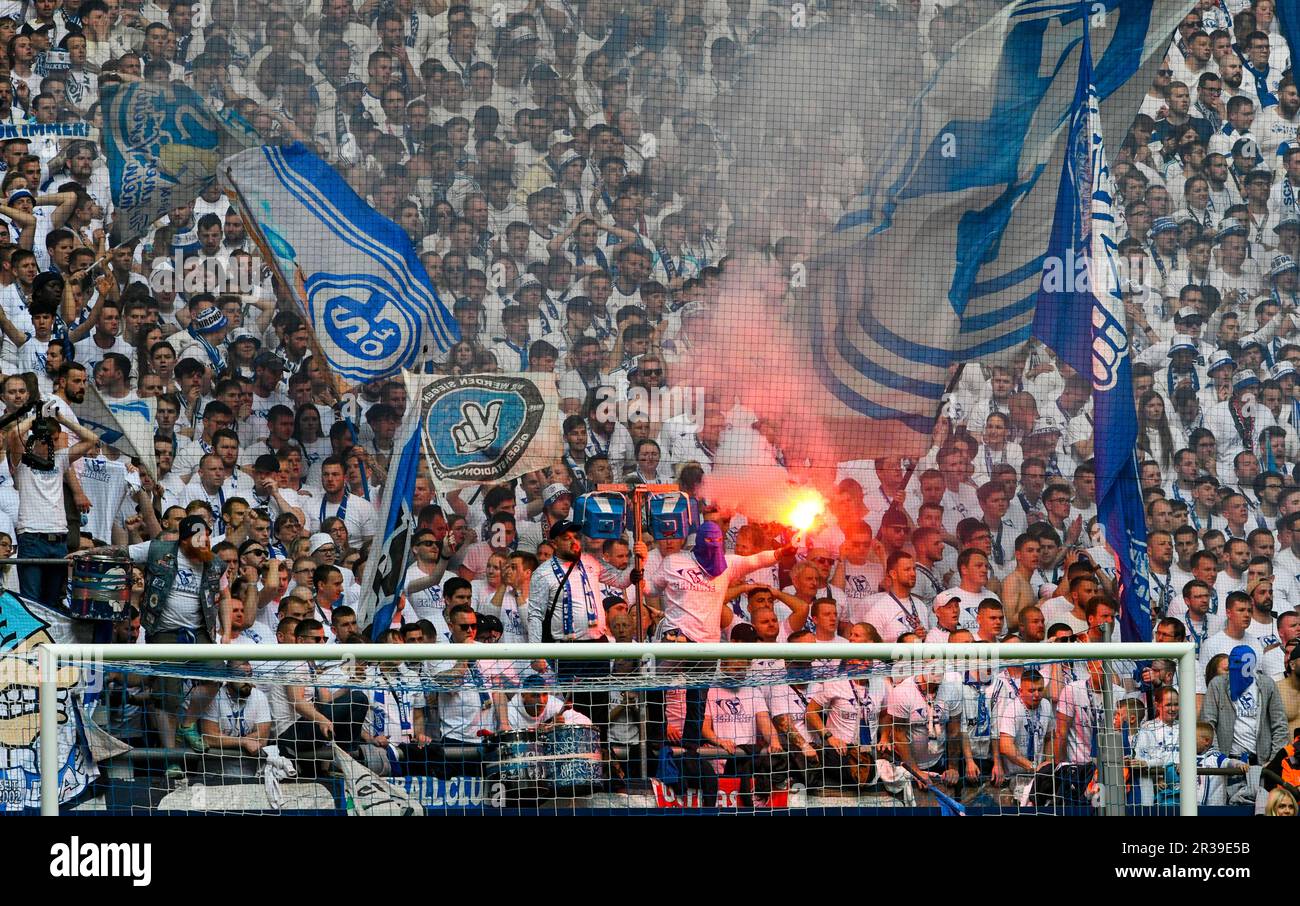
{"x": 1278, "y": 124}
{"x": 186, "y": 600}
{"x": 563, "y": 602}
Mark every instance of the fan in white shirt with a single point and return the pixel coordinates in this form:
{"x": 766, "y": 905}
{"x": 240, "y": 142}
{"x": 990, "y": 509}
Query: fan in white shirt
{"x": 896, "y": 610}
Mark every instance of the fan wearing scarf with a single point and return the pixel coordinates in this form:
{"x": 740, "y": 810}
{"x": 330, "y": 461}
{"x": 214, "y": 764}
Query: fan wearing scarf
{"x": 207, "y": 331}
{"x": 1246, "y": 710}
{"x": 186, "y": 601}
{"x": 575, "y": 613}
{"x": 1232, "y": 422}
{"x": 694, "y": 585}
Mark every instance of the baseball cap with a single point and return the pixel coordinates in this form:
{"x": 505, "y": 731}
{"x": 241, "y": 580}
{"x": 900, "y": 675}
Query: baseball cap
{"x": 555, "y": 492}
{"x": 317, "y": 541}
{"x": 266, "y": 463}
{"x": 190, "y": 526}
{"x": 520, "y": 34}
{"x": 268, "y": 359}
{"x": 44, "y": 279}
{"x": 569, "y": 157}
{"x": 1187, "y": 312}
{"x": 894, "y": 516}
{"x": 563, "y": 526}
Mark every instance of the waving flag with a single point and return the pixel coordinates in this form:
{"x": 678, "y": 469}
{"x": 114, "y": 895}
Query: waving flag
{"x": 365, "y": 293}
{"x": 385, "y": 575}
{"x": 1085, "y": 325}
{"x": 163, "y": 144}
{"x": 129, "y": 426}
{"x": 954, "y": 217}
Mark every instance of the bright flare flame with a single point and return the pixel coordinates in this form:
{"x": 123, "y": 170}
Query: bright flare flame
{"x": 805, "y": 512}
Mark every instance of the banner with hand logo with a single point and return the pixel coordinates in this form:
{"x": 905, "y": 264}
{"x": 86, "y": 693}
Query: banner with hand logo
{"x": 489, "y": 427}
{"x": 472, "y": 428}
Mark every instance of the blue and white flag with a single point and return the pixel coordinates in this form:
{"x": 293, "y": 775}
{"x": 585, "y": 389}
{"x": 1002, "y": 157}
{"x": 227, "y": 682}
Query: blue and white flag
{"x": 25, "y": 625}
{"x": 947, "y": 241}
{"x": 162, "y": 144}
{"x": 128, "y": 426}
{"x": 1081, "y": 318}
{"x": 385, "y": 575}
{"x": 367, "y": 297}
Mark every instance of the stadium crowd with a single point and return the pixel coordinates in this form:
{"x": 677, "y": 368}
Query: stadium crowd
{"x": 560, "y": 170}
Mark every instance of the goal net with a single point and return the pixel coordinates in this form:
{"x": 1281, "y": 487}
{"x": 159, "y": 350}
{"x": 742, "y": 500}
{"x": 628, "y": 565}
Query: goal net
{"x": 837, "y": 727}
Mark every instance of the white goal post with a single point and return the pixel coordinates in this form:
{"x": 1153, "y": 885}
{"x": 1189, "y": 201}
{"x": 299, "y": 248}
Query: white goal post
{"x": 50, "y": 656}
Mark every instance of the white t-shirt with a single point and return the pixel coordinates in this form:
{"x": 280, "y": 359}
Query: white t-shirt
{"x": 970, "y": 605}
{"x": 520, "y": 719}
{"x": 392, "y": 704}
{"x": 693, "y": 599}
{"x": 734, "y": 714}
{"x": 236, "y": 717}
{"x": 107, "y": 482}
{"x": 182, "y": 609}
{"x": 1245, "y": 728}
{"x": 851, "y": 706}
{"x": 1081, "y": 704}
{"x": 894, "y": 615}
{"x": 357, "y": 513}
{"x": 1029, "y": 729}
{"x": 40, "y": 498}
{"x": 861, "y": 584}
{"x": 926, "y": 717}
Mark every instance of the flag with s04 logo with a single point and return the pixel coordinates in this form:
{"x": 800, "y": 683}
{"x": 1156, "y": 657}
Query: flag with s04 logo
{"x": 367, "y": 297}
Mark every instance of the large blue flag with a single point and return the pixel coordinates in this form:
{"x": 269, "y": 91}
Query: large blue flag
{"x": 162, "y": 144}
{"x": 948, "y": 237}
{"x": 1082, "y": 319}
{"x": 367, "y": 297}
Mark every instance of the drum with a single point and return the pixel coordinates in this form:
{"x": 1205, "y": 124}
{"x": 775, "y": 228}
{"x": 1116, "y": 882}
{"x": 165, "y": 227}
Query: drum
{"x": 101, "y": 588}
{"x": 519, "y": 756}
{"x": 573, "y": 751}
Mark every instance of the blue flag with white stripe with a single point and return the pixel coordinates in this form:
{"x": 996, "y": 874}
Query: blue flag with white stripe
{"x": 953, "y": 218}
{"x": 370, "y": 303}
{"x": 1082, "y": 320}
{"x": 385, "y": 575}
